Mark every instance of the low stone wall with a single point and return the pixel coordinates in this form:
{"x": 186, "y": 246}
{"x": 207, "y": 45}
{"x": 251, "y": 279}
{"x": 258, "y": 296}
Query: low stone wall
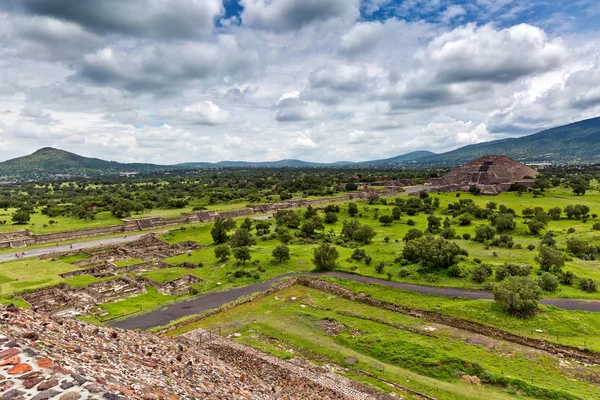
{"x": 174, "y": 287}
{"x": 586, "y": 356}
{"x": 280, "y": 286}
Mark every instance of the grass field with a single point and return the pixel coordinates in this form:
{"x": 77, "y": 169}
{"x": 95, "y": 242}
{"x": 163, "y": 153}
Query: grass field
{"x": 308, "y": 322}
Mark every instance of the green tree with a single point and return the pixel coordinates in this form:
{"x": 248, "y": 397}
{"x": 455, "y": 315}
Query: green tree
{"x": 242, "y": 238}
{"x": 433, "y": 224}
{"x": 386, "y": 220}
{"x": 535, "y": 226}
{"x": 550, "y": 260}
{"x": 222, "y": 252}
{"x": 281, "y": 253}
{"x": 331, "y": 218}
{"x": 311, "y": 225}
{"x": 220, "y": 229}
{"x": 287, "y": 218}
{"x": 325, "y": 256}
{"x": 352, "y": 209}
{"x": 247, "y": 224}
{"x": 483, "y": 233}
{"x": 349, "y": 227}
{"x": 481, "y": 273}
{"x": 396, "y": 213}
{"x": 242, "y": 254}
{"x": 21, "y": 217}
{"x": 431, "y": 252}
{"x": 548, "y": 282}
{"x": 577, "y": 247}
{"x": 413, "y": 234}
{"x": 555, "y": 213}
{"x": 284, "y": 235}
{"x": 364, "y": 234}
{"x": 518, "y": 295}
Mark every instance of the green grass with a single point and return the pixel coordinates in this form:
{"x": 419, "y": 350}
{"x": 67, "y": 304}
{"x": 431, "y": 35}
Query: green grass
{"x": 129, "y": 261}
{"x": 149, "y": 300}
{"x": 284, "y": 327}
{"x": 31, "y": 273}
{"x": 75, "y": 257}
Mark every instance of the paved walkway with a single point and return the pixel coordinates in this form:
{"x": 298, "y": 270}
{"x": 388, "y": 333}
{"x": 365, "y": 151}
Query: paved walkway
{"x": 215, "y": 299}
{"x": 65, "y": 247}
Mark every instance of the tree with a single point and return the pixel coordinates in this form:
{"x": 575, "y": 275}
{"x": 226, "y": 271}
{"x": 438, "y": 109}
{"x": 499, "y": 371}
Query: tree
{"x": 331, "y": 217}
{"x": 325, "y": 256}
{"x": 350, "y": 187}
{"x": 474, "y": 189}
{"x": 310, "y": 212}
{"x": 284, "y": 235}
{"x": 386, "y": 220}
{"x": 555, "y": 213}
{"x": 579, "y": 189}
{"x": 21, "y": 217}
{"x": 412, "y": 234}
{"x": 465, "y": 219}
{"x": 491, "y": 206}
{"x": 349, "y": 227}
{"x": 481, "y": 273}
{"x": 222, "y": 252}
{"x": 220, "y": 229}
{"x": 434, "y": 253}
{"x": 518, "y": 295}
{"x": 503, "y": 222}
{"x": 548, "y": 282}
{"x": 396, "y": 213}
{"x": 287, "y": 218}
{"x": 263, "y": 227}
{"x": 535, "y": 226}
{"x": 311, "y": 225}
{"x": 242, "y": 238}
{"x": 281, "y": 253}
{"x": 507, "y": 270}
{"x": 577, "y": 247}
{"x": 364, "y": 234}
{"x": 588, "y": 285}
{"x": 433, "y": 223}
{"x": 550, "y": 260}
{"x": 352, "y": 209}
{"x": 242, "y": 254}
{"x": 483, "y": 233}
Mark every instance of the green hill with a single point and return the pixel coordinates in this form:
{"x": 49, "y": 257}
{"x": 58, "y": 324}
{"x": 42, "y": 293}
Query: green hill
{"x": 48, "y": 161}
{"x": 576, "y": 142}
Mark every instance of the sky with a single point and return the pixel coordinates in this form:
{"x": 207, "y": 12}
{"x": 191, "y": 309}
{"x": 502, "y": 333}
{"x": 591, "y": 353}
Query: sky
{"x": 171, "y": 81}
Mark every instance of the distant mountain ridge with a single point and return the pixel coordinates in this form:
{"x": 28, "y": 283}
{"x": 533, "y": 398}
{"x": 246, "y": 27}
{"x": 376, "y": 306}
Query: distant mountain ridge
{"x": 575, "y": 142}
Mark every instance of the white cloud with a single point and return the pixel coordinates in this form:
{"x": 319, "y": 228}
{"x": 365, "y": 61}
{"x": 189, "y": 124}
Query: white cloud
{"x": 201, "y": 113}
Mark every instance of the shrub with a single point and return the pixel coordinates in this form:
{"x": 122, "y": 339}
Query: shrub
{"x": 596, "y": 226}
{"x": 410, "y": 222}
{"x": 368, "y": 260}
{"x": 379, "y": 267}
{"x": 518, "y": 295}
{"x": 588, "y": 285}
{"x": 577, "y": 247}
{"x": 508, "y": 270}
{"x": 531, "y": 247}
{"x": 412, "y": 234}
{"x": 222, "y": 252}
{"x": 325, "y": 256}
{"x": 432, "y": 252}
{"x": 483, "y": 233}
{"x": 242, "y": 254}
{"x": 403, "y": 272}
{"x": 358, "y": 254}
{"x": 489, "y": 286}
{"x": 550, "y": 260}
{"x": 466, "y": 236}
{"x": 567, "y": 278}
{"x": 456, "y": 271}
{"x": 331, "y": 218}
{"x": 281, "y": 253}
{"x": 386, "y": 220}
{"x": 481, "y": 273}
{"x": 448, "y": 233}
{"x": 548, "y": 282}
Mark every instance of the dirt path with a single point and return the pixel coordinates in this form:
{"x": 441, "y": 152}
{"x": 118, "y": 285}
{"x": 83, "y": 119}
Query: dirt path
{"x": 67, "y": 247}
{"x": 212, "y": 300}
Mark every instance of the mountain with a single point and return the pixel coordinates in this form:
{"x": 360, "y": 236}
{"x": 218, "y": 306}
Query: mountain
{"x": 48, "y": 161}
{"x": 408, "y": 158}
{"x": 576, "y": 142}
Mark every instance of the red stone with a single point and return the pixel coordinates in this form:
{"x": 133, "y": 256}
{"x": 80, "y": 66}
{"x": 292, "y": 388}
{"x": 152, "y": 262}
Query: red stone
{"x": 19, "y": 369}
{"x": 8, "y": 353}
{"x": 14, "y": 360}
{"x": 44, "y": 363}
{"x": 31, "y": 382}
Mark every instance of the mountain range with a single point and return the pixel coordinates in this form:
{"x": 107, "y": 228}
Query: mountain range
{"x": 578, "y": 142}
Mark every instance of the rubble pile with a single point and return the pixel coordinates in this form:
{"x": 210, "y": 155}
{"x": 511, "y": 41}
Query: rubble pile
{"x": 46, "y": 357}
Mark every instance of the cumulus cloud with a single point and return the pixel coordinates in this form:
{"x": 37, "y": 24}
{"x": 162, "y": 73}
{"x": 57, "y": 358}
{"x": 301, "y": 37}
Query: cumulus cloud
{"x": 151, "y": 18}
{"x": 302, "y": 141}
{"x": 486, "y": 54}
{"x": 164, "y": 68}
{"x": 202, "y": 113}
{"x": 290, "y": 108}
{"x": 284, "y": 15}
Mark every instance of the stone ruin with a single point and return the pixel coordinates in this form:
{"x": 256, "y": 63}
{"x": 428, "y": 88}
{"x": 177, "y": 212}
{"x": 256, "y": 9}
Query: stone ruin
{"x": 491, "y": 174}
{"x": 174, "y": 287}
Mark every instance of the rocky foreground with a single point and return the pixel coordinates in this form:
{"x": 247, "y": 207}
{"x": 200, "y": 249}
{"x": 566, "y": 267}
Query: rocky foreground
{"x": 45, "y": 357}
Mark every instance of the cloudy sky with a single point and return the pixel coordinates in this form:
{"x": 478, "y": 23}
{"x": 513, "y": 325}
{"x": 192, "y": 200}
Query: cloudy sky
{"x": 170, "y": 81}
